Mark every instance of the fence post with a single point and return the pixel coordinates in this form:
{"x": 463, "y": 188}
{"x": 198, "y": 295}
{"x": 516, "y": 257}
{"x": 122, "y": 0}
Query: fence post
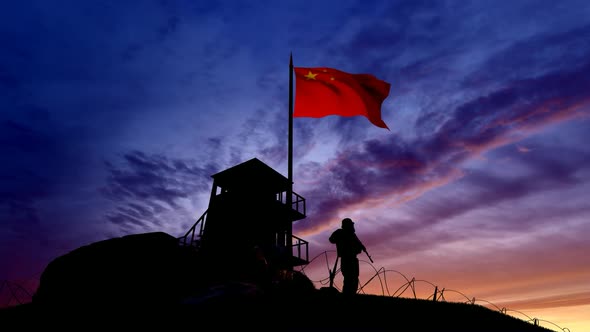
{"x": 435, "y": 291}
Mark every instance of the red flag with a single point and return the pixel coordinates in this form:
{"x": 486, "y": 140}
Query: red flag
{"x": 323, "y": 91}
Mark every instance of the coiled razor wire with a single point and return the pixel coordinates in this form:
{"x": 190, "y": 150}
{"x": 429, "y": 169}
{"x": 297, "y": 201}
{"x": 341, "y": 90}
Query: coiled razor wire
{"x": 438, "y": 294}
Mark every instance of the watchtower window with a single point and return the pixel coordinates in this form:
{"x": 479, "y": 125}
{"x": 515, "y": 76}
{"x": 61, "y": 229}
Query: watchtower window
{"x": 219, "y": 190}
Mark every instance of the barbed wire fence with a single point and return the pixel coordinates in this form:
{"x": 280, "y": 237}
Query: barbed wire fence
{"x": 437, "y": 294}
{"x": 13, "y": 293}
{"x": 18, "y": 291}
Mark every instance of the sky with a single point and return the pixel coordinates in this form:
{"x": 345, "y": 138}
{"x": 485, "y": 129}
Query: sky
{"x": 115, "y": 114}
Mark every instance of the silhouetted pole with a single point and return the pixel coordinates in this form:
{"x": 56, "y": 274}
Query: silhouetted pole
{"x": 289, "y": 235}
{"x": 333, "y": 272}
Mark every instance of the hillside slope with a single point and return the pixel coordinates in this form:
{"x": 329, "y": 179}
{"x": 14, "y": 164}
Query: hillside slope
{"x": 314, "y": 311}
{"x": 146, "y": 282}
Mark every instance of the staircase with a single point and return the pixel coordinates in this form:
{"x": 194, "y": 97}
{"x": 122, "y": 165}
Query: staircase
{"x": 192, "y": 238}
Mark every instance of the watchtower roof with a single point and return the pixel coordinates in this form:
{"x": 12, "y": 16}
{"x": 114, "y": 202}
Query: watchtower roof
{"x": 252, "y": 174}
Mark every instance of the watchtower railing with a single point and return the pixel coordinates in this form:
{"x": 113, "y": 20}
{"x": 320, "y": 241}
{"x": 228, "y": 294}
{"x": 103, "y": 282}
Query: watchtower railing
{"x": 297, "y": 201}
{"x": 189, "y": 239}
{"x": 301, "y": 247}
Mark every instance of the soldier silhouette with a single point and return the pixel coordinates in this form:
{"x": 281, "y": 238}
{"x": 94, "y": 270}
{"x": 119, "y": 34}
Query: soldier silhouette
{"x": 348, "y": 246}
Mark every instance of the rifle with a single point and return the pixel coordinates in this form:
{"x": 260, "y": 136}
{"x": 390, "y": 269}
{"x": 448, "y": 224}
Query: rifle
{"x": 333, "y": 272}
{"x": 365, "y": 250}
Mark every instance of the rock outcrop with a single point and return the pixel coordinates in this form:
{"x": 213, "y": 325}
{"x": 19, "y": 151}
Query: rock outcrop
{"x": 145, "y": 269}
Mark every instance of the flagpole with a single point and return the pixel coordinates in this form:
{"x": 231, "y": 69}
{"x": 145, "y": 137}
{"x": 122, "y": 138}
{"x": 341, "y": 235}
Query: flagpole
{"x": 290, "y": 161}
{"x": 289, "y": 235}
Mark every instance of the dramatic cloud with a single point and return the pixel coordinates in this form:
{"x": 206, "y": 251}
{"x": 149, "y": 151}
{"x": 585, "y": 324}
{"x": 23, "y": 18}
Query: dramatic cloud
{"x": 113, "y": 117}
{"x": 147, "y": 187}
{"x": 378, "y": 168}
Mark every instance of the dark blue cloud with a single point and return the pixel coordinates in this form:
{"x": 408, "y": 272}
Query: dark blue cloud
{"x": 8, "y": 81}
{"x": 73, "y": 77}
{"x": 548, "y": 170}
{"x": 144, "y": 186}
{"x": 31, "y": 166}
{"x": 533, "y": 57}
{"x": 522, "y": 103}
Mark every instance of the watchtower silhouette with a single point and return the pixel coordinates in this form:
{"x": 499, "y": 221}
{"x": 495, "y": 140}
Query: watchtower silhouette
{"x": 248, "y": 215}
